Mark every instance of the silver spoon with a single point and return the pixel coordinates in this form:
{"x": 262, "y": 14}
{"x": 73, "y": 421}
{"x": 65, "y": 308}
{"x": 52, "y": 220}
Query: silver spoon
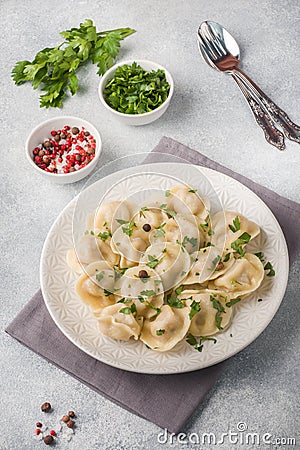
{"x": 221, "y": 51}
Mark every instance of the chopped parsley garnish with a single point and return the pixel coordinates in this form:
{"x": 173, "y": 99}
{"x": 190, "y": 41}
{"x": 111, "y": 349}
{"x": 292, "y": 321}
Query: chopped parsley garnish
{"x": 220, "y": 309}
{"x": 125, "y": 300}
{"x": 268, "y": 265}
{"x": 237, "y": 245}
{"x": 92, "y": 233}
{"x": 233, "y": 302}
{"x": 260, "y": 255}
{"x": 236, "y": 225}
{"x": 195, "y": 308}
{"x": 148, "y": 293}
{"x": 174, "y": 302}
{"x": 193, "y": 241}
{"x": 167, "y": 211}
{"x": 121, "y": 221}
{"x": 204, "y": 226}
{"x": 127, "y": 310}
{"x": 152, "y": 262}
{"x": 179, "y": 290}
{"x": 226, "y": 258}
{"x": 270, "y": 268}
{"x": 215, "y": 262}
{"x": 104, "y": 235}
{"x": 168, "y": 193}
{"x": 160, "y": 230}
{"x": 99, "y": 276}
{"x": 234, "y": 282}
{"x": 210, "y": 232}
{"x": 129, "y": 228}
{"x": 193, "y": 191}
{"x": 108, "y": 292}
{"x": 142, "y": 214}
{"x": 198, "y": 345}
{"x": 160, "y": 332}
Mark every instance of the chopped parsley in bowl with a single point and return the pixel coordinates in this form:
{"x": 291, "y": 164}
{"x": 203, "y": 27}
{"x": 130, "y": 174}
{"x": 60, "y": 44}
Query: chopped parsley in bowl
{"x": 138, "y": 92}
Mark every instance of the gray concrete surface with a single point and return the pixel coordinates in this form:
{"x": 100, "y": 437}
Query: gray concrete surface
{"x": 261, "y": 385}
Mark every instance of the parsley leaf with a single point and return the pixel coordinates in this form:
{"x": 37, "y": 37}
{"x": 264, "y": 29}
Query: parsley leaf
{"x": 148, "y": 293}
{"x": 142, "y": 214}
{"x": 198, "y": 345}
{"x": 160, "y": 230}
{"x": 226, "y": 258}
{"x": 270, "y": 268}
{"x": 193, "y": 191}
{"x": 129, "y": 228}
{"x": 236, "y": 225}
{"x": 167, "y": 211}
{"x": 220, "y": 309}
{"x": 238, "y": 244}
{"x": 160, "y": 332}
{"x": 233, "y": 302}
{"x": 53, "y": 70}
{"x": 152, "y": 262}
{"x": 99, "y": 276}
{"x": 174, "y": 302}
{"x": 168, "y": 193}
{"x": 195, "y": 308}
{"x": 121, "y": 221}
{"x": 108, "y": 292}
{"x": 260, "y": 255}
{"x": 104, "y": 235}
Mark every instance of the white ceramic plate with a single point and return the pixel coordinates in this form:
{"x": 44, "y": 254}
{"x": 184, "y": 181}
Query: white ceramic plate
{"x": 77, "y": 322}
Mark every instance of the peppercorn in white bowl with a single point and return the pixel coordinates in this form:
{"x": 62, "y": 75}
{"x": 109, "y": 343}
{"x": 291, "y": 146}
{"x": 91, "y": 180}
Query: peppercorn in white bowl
{"x": 64, "y": 149}
{"x": 133, "y": 97}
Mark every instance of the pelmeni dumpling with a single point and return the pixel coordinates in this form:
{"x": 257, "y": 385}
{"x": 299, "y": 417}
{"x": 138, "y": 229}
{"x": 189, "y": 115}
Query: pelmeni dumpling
{"x": 205, "y": 322}
{"x": 243, "y": 277}
{"x": 144, "y": 286}
{"x": 73, "y": 262}
{"x": 94, "y": 286}
{"x": 207, "y": 264}
{"x": 169, "y": 327}
{"x": 91, "y": 248}
{"x": 185, "y": 231}
{"x": 108, "y": 214}
{"x": 186, "y": 201}
{"x": 170, "y": 261}
{"x": 129, "y": 243}
{"x": 223, "y": 224}
{"x": 150, "y": 216}
{"x": 117, "y": 322}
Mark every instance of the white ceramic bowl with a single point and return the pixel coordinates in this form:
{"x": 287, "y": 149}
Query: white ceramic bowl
{"x": 137, "y": 119}
{"x": 43, "y": 130}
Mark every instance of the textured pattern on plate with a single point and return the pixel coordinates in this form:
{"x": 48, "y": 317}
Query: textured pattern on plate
{"x": 75, "y": 319}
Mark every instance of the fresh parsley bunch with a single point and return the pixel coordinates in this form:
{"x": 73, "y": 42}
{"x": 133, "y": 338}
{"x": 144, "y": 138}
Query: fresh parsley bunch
{"x": 54, "y": 69}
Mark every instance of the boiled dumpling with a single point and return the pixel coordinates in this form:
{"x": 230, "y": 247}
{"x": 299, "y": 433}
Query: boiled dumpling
{"x": 209, "y": 320}
{"x": 128, "y": 242}
{"x": 186, "y": 201}
{"x": 170, "y": 261}
{"x": 228, "y": 226}
{"x": 178, "y": 230}
{"x": 207, "y": 264}
{"x": 96, "y": 286}
{"x": 243, "y": 277}
{"x": 117, "y": 322}
{"x": 108, "y": 215}
{"x": 73, "y": 262}
{"x": 169, "y": 327}
{"x": 144, "y": 286}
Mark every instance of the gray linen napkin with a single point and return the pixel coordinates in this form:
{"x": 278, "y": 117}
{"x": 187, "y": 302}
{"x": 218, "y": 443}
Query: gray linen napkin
{"x": 166, "y": 400}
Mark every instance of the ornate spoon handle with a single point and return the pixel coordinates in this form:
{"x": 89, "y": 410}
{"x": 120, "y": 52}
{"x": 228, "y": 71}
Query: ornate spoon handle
{"x": 272, "y": 135}
{"x": 290, "y": 129}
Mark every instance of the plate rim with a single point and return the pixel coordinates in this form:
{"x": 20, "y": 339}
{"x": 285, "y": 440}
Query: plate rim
{"x": 165, "y": 372}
